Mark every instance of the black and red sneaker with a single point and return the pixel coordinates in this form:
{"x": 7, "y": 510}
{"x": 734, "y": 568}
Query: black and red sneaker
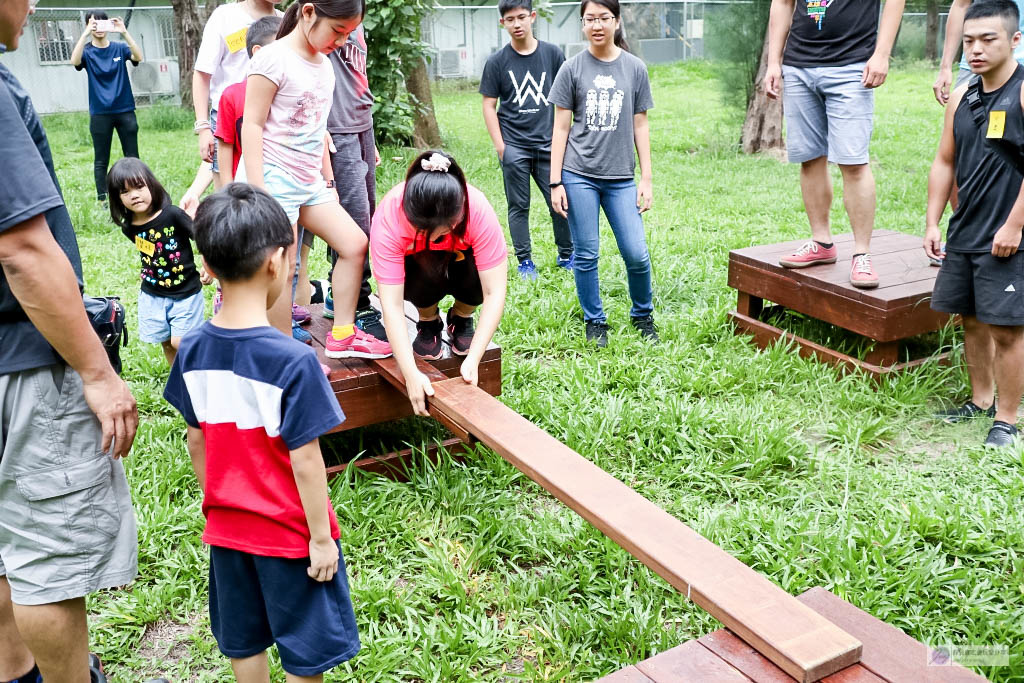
{"x": 460, "y": 332}
{"x": 427, "y": 344}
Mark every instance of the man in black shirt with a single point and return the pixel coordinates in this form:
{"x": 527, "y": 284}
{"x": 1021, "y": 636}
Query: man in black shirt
{"x": 835, "y": 55}
{"x": 982, "y": 274}
{"x": 67, "y": 526}
{"x": 521, "y": 75}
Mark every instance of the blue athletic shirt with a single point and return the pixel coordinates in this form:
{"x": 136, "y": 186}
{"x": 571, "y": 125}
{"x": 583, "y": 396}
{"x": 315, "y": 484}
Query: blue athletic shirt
{"x": 110, "y": 91}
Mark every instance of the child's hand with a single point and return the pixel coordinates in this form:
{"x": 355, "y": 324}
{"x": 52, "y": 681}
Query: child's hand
{"x": 205, "y": 277}
{"x": 323, "y": 559}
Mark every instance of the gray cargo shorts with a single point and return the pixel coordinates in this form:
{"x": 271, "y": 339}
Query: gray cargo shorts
{"x": 67, "y": 527}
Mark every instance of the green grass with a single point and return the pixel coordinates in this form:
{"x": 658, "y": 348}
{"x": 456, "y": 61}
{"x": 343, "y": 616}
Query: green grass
{"x": 471, "y": 572}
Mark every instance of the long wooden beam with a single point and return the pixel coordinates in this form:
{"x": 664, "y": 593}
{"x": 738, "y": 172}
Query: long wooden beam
{"x": 796, "y": 638}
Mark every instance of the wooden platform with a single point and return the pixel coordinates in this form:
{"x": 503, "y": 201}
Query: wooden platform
{"x": 897, "y": 310}
{"x": 889, "y": 655}
{"x": 367, "y": 398}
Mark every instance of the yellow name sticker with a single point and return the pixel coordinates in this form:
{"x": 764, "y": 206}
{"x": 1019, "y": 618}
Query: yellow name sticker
{"x": 145, "y": 246}
{"x": 996, "y": 124}
{"x": 236, "y": 41}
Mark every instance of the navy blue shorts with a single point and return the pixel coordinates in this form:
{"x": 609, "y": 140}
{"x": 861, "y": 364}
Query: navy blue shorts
{"x": 258, "y": 601}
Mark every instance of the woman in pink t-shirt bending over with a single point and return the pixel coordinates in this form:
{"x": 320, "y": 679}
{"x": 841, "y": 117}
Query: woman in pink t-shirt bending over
{"x": 288, "y": 96}
{"x": 431, "y": 236}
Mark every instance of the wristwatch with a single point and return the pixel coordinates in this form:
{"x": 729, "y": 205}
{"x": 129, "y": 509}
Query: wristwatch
{"x": 330, "y": 183}
{"x": 554, "y": 185}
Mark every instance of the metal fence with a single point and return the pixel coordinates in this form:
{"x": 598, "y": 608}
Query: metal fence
{"x": 460, "y": 39}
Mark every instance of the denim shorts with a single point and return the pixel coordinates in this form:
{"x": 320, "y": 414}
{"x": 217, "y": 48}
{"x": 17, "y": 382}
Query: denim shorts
{"x": 828, "y": 113}
{"x": 161, "y": 317}
{"x": 289, "y": 192}
{"x": 67, "y": 528}
{"x": 213, "y": 129}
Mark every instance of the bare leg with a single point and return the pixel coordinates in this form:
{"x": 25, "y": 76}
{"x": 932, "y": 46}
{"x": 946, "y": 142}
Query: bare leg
{"x": 302, "y": 293}
{"x": 253, "y": 669}
{"x": 58, "y": 636}
{"x": 816, "y": 188}
{"x": 462, "y": 310}
{"x": 292, "y": 678}
{"x": 430, "y": 313}
{"x": 1009, "y": 370}
{"x": 15, "y": 659}
{"x": 859, "y": 199}
{"x": 171, "y": 349}
{"x": 280, "y": 312}
{"x": 979, "y": 352}
{"x": 333, "y": 225}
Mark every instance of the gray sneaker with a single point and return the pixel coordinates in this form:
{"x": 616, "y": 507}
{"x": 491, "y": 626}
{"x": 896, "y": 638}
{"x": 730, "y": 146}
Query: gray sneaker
{"x": 1002, "y": 435}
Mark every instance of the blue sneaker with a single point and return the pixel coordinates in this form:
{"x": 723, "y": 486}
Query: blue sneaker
{"x": 567, "y": 263}
{"x": 300, "y": 334}
{"x": 527, "y": 270}
{"x": 329, "y": 304}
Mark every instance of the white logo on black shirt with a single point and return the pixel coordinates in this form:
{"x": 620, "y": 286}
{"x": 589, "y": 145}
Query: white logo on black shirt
{"x": 529, "y": 88}
{"x": 603, "y": 105}
{"x": 1010, "y": 288}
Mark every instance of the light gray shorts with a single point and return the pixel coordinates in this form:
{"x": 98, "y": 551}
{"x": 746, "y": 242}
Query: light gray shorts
{"x": 67, "y": 527}
{"x": 828, "y": 113}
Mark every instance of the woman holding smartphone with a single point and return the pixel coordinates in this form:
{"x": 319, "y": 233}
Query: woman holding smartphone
{"x": 111, "y": 102}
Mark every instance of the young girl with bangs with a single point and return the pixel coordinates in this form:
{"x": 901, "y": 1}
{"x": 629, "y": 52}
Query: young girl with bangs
{"x": 284, "y": 137}
{"x": 601, "y": 98}
{"x": 431, "y": 236}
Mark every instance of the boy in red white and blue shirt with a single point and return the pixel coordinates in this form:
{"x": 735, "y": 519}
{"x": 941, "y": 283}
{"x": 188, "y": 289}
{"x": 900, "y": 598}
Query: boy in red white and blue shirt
{"x": 255, "y": 402}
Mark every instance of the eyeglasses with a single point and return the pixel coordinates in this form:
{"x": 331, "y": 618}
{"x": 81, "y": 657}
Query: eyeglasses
{"x": 606, "y": 19}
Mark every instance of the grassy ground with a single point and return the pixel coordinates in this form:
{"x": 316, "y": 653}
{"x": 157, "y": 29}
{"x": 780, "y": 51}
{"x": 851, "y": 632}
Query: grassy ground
{"x": 471, "y": 572}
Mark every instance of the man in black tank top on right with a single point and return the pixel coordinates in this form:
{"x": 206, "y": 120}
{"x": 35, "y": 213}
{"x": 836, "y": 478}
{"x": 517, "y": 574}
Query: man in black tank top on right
{"x": 982, "y": 274}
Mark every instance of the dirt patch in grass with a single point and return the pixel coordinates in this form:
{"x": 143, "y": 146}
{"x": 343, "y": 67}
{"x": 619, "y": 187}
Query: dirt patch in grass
{"x": 168, "y": 641}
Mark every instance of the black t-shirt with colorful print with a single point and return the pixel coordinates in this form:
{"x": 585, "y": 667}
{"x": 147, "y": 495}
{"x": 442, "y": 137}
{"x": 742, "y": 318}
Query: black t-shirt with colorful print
{"x": 168, "y": 264}
{"x": 832, "y": 32}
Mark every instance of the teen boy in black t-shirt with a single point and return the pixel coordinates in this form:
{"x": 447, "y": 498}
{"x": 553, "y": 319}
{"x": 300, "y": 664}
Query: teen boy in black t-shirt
{"x": 982, "y": 274}
{"x": 520, "y": 76}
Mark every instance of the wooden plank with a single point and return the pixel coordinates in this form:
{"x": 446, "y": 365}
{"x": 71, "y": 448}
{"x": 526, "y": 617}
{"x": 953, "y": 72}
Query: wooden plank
{"x": 765, "y": 335}
{"x": 395, "y": 465}
{"x": 767, "y": 251}
{"x": 690, "y": 661}
{"x": 888, "y": 652}
{"x": 751, "y": 664}
{"x": 630, "y": 674}
{"x": 798, "y": 640}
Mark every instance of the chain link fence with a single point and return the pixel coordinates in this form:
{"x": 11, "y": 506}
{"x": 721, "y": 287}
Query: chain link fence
{"x": 460, "y": 39}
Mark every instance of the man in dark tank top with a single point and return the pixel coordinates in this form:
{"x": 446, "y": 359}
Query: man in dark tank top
{"x": 982, "y": 274}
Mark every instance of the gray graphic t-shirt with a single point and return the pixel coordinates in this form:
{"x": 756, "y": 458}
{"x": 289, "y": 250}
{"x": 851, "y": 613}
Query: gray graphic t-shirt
{"x": 352, "y": 109}
{"x": 603, "y": 97}
{"x": 522, "y": 84}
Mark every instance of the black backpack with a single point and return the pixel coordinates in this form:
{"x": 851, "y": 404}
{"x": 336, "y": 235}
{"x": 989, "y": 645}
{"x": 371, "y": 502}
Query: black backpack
{"x": 106, "y": 313}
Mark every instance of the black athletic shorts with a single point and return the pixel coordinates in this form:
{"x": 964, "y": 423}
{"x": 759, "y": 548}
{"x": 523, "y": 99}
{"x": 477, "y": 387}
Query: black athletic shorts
{"x": 987, "y": 287}
{"x": 430, "y": 275}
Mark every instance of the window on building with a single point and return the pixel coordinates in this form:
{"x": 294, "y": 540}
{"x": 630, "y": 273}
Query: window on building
{"x": 168, "y": 37}
{"x": 56, "y": 39}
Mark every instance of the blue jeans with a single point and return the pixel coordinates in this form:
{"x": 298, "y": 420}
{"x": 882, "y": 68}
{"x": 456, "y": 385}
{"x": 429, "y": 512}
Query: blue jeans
{"x": 587, "y": 196}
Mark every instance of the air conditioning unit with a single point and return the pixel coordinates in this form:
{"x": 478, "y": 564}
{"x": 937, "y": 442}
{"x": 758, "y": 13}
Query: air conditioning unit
{"x": 452, "y": 63}
{"x": 153, "y": 77}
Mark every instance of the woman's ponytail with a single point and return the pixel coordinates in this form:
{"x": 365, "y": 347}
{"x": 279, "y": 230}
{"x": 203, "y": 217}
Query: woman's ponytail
{"x": 332, "y": 9}
{"x": 290, "y": 20}
{"x": 436, "y": 193}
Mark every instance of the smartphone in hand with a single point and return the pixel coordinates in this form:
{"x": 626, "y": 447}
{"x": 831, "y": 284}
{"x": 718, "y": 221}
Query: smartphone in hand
{"x": 106, "y": 26}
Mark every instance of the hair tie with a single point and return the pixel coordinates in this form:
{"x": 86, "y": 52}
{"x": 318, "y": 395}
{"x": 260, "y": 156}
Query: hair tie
{"x": 436, "y": 162}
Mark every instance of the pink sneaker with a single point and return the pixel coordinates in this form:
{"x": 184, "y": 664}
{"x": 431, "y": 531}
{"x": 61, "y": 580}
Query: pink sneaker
{"x": 810, "y": 254}
{"x": 862, "y": 275}
{"x": 326, "y": 369}
{"x": 359, "y": 345}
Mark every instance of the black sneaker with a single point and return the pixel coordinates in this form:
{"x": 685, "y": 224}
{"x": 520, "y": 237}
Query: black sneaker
{"x": 368, "y": 320}
{"x": 967, "y": 411}
{"x": 96, "y": 674}
{"x": 597, "y": 332}
{"x": 648, "y": 330}
{"x": 460, "y": 332}
{"x": 1002, "y": 435}
{"x": 427, "y": 344}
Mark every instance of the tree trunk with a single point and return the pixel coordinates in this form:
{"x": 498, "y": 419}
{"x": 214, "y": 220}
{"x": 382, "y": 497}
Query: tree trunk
{"x": 425, "y": 133}
{"x": 931, "y": 32}
{"x": 190, "y": 33}
{"x": 762, "y": 129}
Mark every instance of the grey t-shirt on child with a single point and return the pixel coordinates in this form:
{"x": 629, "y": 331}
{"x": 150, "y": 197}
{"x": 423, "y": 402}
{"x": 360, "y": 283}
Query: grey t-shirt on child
{"x": 352, "y": 110}
{"x": 603, "y": 97}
